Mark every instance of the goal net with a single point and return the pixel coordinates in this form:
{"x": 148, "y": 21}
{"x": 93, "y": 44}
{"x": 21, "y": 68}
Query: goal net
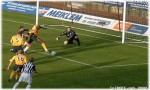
{"x": 137, "y": 16}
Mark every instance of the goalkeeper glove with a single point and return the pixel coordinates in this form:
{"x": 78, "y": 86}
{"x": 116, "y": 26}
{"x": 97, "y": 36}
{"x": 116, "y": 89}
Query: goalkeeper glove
{"x": 58, "y": 38}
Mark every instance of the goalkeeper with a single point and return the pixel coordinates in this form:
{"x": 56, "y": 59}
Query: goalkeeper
{"x": 71, "y": 35}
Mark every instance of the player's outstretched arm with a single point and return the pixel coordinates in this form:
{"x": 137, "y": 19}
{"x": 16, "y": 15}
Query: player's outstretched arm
{"x": 10, "y": 62}
{"x": 8, "y": 67}
{"x": 43, "y": 26}
{"x": 63, "y": 33}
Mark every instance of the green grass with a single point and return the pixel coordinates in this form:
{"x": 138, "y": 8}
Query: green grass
{"x": 74, "y": 70}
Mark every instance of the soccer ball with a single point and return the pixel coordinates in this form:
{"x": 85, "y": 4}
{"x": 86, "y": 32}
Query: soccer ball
{"x": 53, "y": 53}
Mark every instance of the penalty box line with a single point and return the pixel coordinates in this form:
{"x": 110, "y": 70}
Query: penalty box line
{"x": 78, "y": 33}
{"x": 107, "y": 66}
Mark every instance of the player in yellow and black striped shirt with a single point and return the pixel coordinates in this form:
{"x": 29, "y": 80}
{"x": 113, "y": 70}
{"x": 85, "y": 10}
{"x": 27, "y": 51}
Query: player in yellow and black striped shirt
{"x": 33, "y": 36}
{"x": 19, "y": 60}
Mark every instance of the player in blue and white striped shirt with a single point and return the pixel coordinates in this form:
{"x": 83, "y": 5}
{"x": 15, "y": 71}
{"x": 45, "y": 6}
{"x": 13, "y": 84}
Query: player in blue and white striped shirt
{"x": 26, "y": 75}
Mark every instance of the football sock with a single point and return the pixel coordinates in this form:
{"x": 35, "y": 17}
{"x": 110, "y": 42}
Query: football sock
{"x": 15, "y": 86}
{"x": 17, "y": 75}
{"x": 12, "y": 75}
{"x": 44, "y": 46}
{"x": 78, "y": 41}
{"x": 24, "y": 44}
{"x": 26, "y": 48}
{"x": 28, "y": 87}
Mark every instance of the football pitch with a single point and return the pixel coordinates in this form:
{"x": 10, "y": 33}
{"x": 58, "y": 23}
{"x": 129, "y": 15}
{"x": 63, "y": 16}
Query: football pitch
{"x": 100, "y": 62}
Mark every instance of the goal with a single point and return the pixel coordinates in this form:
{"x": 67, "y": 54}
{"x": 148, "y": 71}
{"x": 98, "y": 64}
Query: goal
{"x": 122, "y": 22}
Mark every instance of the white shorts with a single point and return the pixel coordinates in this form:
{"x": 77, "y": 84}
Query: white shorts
{"x": 25, "y": 77}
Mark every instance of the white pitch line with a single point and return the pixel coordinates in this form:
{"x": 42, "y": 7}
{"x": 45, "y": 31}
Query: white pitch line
{"x": 17, "y": 21}
{"x": 92, "y": 31}
{"x": 78, "y": 33}
{"x": 86, "y": 63}
{"x": 77, "y": 61}
{"x": 66, "y": 59}
{"x": 122, "y": 65}
{"x": 60, "y": 57}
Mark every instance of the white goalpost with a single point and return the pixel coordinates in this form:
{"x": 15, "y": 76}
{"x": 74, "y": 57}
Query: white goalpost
{"x": 37, "y": 12}
{"x": 124, "y": 20}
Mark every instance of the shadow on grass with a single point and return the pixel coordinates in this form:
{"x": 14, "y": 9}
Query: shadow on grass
{"x": 71, "y": 49}
{"x": 46, "y": 59}
{"x": 83, "y": 67}
{"x": 86, "y": 46}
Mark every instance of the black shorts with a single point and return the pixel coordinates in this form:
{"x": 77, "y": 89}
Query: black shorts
{"x": 70, "y": 41}
{"x": 16, "y": 48}
{"x": 32, "y": 38}
{"x": 17, "y": 66}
